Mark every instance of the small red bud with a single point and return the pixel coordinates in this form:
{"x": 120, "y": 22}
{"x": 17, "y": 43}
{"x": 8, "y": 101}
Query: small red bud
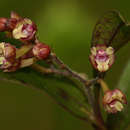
{"x": 11, "y": 24}
{"x": 41, "y": 51}
{"x": 10, "y": 51}
{"x": 3, "y": 24}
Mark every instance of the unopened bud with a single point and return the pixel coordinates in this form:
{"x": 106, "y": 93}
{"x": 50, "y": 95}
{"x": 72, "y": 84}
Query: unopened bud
{"x": 41, "y": 51}
{"x": 3, "y": 24}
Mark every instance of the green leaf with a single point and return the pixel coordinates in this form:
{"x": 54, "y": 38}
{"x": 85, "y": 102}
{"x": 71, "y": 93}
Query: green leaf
{"x": 112, "y": 30}
{"x": 62, "y": 90}
{"x": 121, "y": 120}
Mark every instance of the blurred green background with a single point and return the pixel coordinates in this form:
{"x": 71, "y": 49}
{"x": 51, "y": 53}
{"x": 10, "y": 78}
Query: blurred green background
{"x": 67, "y": 26}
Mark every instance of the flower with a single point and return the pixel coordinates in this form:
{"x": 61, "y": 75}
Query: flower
{"x": 7, "y": 55}
{"x": 25, "y": 30}
{"x": 41, "y": 51}
{"x": 102, "y": 57}
{"x": 3, "y": 22}
{"x": 113, "y": 101}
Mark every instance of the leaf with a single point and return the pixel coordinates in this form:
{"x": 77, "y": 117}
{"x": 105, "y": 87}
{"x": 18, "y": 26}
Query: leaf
{"x": 121, "y": 120}
{"x": 112, "y": 30}
{"x": 62, "y": 90}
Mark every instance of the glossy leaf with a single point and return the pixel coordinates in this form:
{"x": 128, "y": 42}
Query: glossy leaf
{"x": 112, "y": 30}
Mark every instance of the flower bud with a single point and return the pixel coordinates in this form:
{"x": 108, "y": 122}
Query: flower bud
{"x": 41, "y": 51}
{"x": 7, "y": 55}
{"x": 11, "y": 24}
{"x": 102, "y": 57}
{"x": 3, "y": 22}
{"x": 25, "y": 30}
{"x": 7, "y": 24}
{"x": 13, "y": 67}
{"x": 113, "y": 101}
{"x": 9, "y": 51}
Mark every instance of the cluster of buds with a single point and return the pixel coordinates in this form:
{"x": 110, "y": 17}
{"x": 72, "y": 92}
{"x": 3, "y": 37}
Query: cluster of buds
{"x": 12, "y": 58}
{"x": 113, "y": 101}
{"x": 102, "y": 57}
{"x": 23, "y": 29}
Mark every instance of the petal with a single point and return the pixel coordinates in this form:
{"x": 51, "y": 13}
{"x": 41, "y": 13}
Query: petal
{"x": 118, "y": 106}
{"x": 93, "y": 51}
{"x": 27, "y": 21}
{"x": 2, "y": 60}
{"x": 17, "y": 32}
{"x": 109, "y": 50}
{"x": 102, "y": 66}
{"x": 2, "y": 48}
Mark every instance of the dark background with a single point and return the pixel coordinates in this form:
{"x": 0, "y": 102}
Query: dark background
{"x": 67, "y": 26}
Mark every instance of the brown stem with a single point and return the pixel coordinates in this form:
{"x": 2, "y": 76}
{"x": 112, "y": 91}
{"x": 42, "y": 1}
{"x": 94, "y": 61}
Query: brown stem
{"x": 67, "y": 72}
{"x": 86, "y": 83}
{"x": 87, "y": 93}
{"x": 86, "y": 88}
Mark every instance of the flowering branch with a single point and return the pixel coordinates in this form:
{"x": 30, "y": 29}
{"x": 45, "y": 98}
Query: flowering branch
{"x": 102, "y": 57}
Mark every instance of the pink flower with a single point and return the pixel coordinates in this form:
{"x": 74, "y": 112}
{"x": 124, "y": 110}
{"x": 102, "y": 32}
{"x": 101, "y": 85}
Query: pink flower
{"x": 7, "y": 55}
{"x": 102, "y": 57}
{"x": 113, "y": 101}
{"x": 25, "y": 30}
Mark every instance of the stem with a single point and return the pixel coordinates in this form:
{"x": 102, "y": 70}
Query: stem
{"x": 86, "y": 88}
{"x": 71, "y": 72}
{"x": 104, "y": 86}
{"x": 94, "y": 121}
{"x": 67, "y": 72}
{"x": 97, "y": 110}
{"x": 86, "y": 83}
{"x": 23, "y": 50}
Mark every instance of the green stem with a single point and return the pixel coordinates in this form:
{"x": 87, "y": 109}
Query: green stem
{"x": 97, "y": 110}
{"x": 103, "y": 84}
{"x": 93, "y": 120}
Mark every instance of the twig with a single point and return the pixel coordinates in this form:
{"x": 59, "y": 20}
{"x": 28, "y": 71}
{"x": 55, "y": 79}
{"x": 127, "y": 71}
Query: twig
{"x": 67, "y": 72}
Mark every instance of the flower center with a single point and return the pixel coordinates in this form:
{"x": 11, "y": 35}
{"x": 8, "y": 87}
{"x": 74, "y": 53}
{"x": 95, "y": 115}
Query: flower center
{"x": 27, "y": 29}
{"x": 116, "y": 104}
{"x": 101, "y": 56}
